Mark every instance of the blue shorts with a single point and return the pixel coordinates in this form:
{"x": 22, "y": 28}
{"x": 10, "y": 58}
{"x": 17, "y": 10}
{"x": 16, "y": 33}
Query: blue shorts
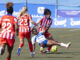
{"x": 45, "y": 43}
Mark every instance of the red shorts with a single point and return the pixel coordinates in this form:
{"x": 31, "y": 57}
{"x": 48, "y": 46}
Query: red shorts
{"x": 9, "y": 42}
{"x": 22, "y": 35}
{"x": 7, "y": 38}
{"x": 2, "y": 41}
{"x": 47, "y": 34}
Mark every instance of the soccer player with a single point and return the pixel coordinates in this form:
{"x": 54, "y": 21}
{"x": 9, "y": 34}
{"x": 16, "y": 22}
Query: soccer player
{"x": 44, "y": 25}
{"x": 43, "y": 42}
{"x": 8, "y": 25}
{"x": 24, "y": 29}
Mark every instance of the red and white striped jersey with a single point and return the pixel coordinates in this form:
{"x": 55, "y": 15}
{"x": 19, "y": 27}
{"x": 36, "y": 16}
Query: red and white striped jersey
{"x": 7, "y": 23}
{"x": 45, "y": 23}
{"x": 24, "y": 24}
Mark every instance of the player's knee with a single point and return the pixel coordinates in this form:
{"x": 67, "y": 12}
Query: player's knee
{"x": 2, "y": 51}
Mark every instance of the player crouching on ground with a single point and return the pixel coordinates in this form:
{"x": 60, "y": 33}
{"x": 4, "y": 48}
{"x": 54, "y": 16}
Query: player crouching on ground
{"x": 43, "y": 42}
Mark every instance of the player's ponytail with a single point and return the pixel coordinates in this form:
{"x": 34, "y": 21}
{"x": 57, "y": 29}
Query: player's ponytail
{"x": 9, "y": 6}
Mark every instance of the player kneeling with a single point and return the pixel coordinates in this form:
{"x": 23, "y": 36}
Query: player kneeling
{"x": 43, "y": 42}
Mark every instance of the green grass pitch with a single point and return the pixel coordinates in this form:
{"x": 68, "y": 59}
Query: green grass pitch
{"x": 59, "y": 34}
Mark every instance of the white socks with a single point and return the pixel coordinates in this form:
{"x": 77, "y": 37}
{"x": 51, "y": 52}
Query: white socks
{"x": 32, "y": 54}
{"x": 62, "y": 44}
{"x": 0, "y": 50}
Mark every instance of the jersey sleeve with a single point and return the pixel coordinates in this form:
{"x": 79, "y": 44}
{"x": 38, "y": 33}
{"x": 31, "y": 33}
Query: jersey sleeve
{"x": 33, "y": 40}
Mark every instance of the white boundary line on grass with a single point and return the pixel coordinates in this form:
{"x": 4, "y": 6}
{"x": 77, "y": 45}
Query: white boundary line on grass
{"x": 74, "y": 29}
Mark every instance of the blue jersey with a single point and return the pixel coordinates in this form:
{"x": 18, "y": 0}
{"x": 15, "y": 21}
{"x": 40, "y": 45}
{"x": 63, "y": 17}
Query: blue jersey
{"x": 38, "y": 38}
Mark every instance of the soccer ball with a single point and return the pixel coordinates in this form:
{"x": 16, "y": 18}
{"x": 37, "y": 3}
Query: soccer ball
{"x": 41, "y": 48}
{"x": 54, "y": 49}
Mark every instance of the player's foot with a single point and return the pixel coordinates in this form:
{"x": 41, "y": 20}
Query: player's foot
{"x": 47, "y": 51}
{"x": 32, "y": 54}
{"x": 68, "y": 45}
{"x": 18, "y": 52}
{"x": 41, "y": 52}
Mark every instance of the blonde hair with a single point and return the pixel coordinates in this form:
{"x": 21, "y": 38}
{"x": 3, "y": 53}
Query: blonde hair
{"x": 23, "y": 11}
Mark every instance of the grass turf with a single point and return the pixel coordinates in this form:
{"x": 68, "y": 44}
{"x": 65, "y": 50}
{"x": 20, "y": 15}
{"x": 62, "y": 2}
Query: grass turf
{"x": 60, "y": 34}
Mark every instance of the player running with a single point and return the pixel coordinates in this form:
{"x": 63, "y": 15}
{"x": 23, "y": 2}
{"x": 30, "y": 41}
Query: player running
{"x": 43, "y": 42}
{"x": 24, "y": 29}
{"x": 44, "y": 25}
{"x": 8, "y": 25}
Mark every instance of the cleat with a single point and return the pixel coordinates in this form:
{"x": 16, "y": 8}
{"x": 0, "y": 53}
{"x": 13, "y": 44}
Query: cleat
{"x": 32, "y": 54}
{"x": 68, "y": 45}
{"x": 41, "y": 52}
{"x": 18, "y": 52}
{"x": 47, "y": 51}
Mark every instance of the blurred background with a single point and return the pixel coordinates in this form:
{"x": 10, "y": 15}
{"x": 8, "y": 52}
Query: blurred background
{"x": 65, "y": 27}
{"x": 65, "y": 14}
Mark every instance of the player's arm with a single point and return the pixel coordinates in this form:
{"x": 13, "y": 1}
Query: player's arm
{"x": 33, "y": 43}
{"x": 16, "y": 25}
{"x": 32, "y": 21}
{"x": 17, "y": 29}
{"x": 37, "y": 23}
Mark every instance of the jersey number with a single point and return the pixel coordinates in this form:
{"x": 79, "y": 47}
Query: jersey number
{"x": 21, "y": 22}
{"x": 8, "y": 25}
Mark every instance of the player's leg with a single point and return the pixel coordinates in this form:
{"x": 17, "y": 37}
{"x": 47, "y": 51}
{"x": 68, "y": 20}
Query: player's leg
{"x": 2, "y": 44}
{"x": 30, "y": 47}
{"x": 20, "y": 46}
{"x": 28, "y": 36}
{"x": 49, "y": 37}
{"x": 9, "y": 52}
{"x": 21, "y": 36}
{"x": 21, "y": 42}
{"x": 2, "y": 48}
{"x": 53, "y": 42}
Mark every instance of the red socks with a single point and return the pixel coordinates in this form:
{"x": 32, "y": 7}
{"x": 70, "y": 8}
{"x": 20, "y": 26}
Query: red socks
{"x": 7, "y": 59}
{"x": 49, "y": 48}
{"x": 21, "y": 45}
{"x": 30, "y": 46}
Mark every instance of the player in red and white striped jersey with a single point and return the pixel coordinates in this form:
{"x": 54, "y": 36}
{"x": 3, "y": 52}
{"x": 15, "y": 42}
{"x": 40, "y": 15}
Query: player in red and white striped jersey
{"x": 7, "y": 37}
{"x": 45, "y": 24}
{"x": 24, "y": 29}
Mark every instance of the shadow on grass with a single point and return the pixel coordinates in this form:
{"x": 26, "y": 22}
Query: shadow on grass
{"x": 71, "y": 53}
{"x": 37, "y": 57}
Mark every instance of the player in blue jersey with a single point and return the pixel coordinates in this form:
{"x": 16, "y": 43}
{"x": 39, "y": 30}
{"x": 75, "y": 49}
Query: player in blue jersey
{"x": 43, "y": 42}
